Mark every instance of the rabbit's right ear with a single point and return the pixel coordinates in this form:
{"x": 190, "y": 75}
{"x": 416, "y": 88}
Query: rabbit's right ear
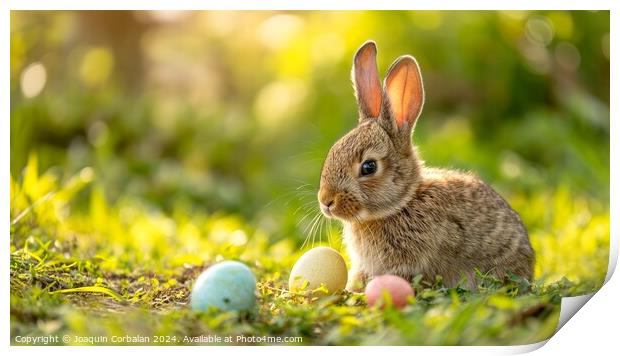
{"x": 365, "y": 78}
{"x": 405, "y": 93}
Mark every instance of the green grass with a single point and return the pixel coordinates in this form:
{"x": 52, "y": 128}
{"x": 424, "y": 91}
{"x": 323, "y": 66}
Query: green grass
{"x": 127, "y": 269}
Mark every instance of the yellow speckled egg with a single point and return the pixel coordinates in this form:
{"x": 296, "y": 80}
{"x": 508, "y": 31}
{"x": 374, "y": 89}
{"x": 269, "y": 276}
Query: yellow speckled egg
{"x": 321, "y": 265}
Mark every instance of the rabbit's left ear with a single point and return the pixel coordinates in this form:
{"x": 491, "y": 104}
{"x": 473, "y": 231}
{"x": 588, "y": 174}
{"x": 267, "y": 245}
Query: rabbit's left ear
{"x": 405, "y": 92}
{"x": 366, "y": 81}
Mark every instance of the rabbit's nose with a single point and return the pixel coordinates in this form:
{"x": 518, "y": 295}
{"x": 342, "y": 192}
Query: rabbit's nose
{"x": 326, "y": 197}
{"x": 326, "y": 208}
{"x": 329, "y": 203}
{"x": 327, "y": 200}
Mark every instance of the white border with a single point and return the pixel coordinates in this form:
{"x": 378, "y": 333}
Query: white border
{"x": 308, "y": 5}
{"x": 592, "y": 329}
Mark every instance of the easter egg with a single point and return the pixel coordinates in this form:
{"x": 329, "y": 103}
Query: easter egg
{"x": 227, "y": 285}
{"x": 321, "y": 265}
{"x": 394, "y": 287}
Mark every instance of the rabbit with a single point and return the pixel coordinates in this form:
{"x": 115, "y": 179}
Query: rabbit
{"x": 401, "y": 217}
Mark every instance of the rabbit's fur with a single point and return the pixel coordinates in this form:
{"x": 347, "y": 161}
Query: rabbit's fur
{"x": 408, "y": 219}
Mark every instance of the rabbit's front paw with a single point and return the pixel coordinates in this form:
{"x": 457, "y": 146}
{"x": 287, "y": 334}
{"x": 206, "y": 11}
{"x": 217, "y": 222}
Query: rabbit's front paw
{"x": 357, "y": 282}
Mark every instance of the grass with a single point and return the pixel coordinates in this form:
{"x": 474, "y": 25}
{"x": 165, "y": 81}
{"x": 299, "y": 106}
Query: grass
{"x": 104, "y": 270}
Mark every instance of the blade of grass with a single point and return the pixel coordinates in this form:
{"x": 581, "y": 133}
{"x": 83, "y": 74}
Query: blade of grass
{"x": 91, "y": 289}
{"x": 25, "y": 212}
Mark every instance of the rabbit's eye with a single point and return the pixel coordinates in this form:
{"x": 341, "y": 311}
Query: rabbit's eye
{"x": 368, "y": 167}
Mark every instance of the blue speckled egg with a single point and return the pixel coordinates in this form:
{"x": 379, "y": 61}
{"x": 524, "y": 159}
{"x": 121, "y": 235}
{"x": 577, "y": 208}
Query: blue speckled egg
{"x": 228, "y": 285}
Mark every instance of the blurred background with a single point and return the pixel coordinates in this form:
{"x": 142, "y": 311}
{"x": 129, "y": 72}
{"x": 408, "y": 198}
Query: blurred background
{"x": 230, "y": 114}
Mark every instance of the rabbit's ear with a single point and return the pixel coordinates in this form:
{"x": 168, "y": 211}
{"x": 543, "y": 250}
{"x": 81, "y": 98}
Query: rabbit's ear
{"x": 365, "y": 78}
{"x": 405, "y": 92}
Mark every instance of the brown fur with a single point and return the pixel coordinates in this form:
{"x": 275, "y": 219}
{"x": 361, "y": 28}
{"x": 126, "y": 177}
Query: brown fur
{"x": 409, "y": 219}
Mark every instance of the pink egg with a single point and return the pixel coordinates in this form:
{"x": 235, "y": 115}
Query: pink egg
{"x": 395, "y": 287}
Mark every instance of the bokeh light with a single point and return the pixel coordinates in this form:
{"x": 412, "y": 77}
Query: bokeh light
{"x": 97, "y": 65}
{"x": 33, "y": 80}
